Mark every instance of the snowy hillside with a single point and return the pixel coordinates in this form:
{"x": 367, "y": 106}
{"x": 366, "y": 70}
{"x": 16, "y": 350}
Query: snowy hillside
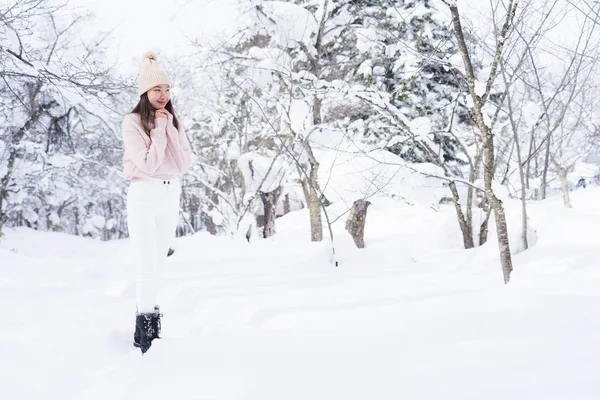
{"x": 411, "y": 316}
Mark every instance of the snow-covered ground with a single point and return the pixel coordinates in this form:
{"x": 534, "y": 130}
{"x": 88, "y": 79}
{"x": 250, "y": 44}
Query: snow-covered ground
{"x": 412, "y": 316}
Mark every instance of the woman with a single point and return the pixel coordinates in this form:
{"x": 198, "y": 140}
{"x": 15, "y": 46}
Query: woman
{"x": 156, "y": 153}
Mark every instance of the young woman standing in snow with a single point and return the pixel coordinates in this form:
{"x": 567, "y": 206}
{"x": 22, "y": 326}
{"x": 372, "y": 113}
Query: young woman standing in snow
{"x": 156, "y": 153}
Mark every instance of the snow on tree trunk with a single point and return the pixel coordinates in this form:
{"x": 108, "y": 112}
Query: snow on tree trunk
{"x": 270, "y": 200}
{"x": 562, "y": 172}
{"x": 262, "y": 176}
{"x": 355, "y": 224}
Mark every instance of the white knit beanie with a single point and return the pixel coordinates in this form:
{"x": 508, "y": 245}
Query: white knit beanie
{"x": 150, "y": 74}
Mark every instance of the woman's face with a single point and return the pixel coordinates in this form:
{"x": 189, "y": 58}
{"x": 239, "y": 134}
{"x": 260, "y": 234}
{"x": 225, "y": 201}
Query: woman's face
{"x": 159, "y": 96}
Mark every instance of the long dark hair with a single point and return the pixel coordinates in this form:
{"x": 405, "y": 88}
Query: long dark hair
{"x": 146, "y": 112}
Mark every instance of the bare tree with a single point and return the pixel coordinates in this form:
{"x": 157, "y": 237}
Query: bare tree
{"x": 311, "y": 186}
{"x": 488, "y": 139}
{"x": 589, "y": 8}
{"x": 575, "y": 78}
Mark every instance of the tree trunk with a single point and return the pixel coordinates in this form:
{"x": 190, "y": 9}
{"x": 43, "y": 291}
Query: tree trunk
{"x": 529, "y": 157}
{"x": 521, "y": 172}
{"x": 465, "y": 225}
{"x": 472, "y": 194}
{"x": 313, "y": 203}
{"x": 483, "y": 229}
{"x": 286, "y": 204}
{"x": 76, "y": 213}
{"x": 503, "y": 242}
{"x": 316, "y": 110}
{"x": 562, "y": 172}
{"x": 314, "y": 206}
{"x": 524, "y": 221}
{"x": 469, "y": 219}
{"x": 270, "y": 200}
{"x": 496, "y": 204}
{"x": 355, "y": 224}
{"x": 545, "y": 170}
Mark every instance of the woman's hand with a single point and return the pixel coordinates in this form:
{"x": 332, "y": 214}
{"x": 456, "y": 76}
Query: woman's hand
{"x": 161, "y": 113}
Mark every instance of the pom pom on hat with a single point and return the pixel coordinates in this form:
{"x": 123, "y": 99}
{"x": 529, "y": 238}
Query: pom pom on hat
{"x": 151, "y": 75}
{"x": 151, "y": 55}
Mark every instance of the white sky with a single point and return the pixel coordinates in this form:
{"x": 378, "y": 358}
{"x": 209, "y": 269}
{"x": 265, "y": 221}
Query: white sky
{"x": 156, "y": 25}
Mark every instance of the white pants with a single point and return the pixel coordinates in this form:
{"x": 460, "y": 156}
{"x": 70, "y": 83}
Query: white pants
{"x": 152, "y": 215}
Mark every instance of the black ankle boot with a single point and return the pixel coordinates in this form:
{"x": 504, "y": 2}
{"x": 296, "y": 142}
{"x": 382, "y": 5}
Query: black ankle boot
{"x": 144, "y": 332}
{"x": 156, "y": 327}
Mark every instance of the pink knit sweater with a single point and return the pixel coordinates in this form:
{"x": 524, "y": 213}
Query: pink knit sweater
{"x": 165, "y": 154}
